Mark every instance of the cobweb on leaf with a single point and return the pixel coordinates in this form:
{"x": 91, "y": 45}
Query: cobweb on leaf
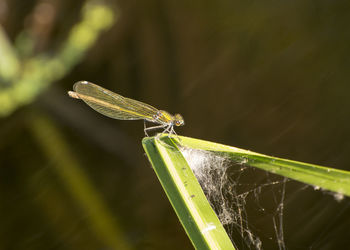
{"x": 249, "y": 202}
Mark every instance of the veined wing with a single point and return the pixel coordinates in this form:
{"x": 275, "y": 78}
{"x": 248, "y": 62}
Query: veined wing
{"x": 111, "y": 104}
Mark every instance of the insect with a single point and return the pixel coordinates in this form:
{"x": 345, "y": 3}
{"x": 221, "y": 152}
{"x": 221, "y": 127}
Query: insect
{"x": 118, "y": 107}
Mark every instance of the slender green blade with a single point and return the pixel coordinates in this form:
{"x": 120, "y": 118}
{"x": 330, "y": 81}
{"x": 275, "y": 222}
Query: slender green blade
{"x": 323, "y": 177}
{"x": 185, "y": 194}
{"x": 196, "y": 214}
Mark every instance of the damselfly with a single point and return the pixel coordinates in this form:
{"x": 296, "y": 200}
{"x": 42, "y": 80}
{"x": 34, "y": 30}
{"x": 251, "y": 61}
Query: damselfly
{"x": 118, "y": 107}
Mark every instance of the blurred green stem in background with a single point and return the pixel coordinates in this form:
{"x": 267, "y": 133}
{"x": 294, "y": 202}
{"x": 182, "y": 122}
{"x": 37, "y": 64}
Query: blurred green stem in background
{"x": 77, "y": 183}
{"x": 9, "y": 62}
{"x": 22, "y": 81}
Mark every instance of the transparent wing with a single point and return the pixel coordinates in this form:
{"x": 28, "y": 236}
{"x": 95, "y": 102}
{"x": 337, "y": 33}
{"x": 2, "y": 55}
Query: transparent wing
{"x": 111, "y": 104}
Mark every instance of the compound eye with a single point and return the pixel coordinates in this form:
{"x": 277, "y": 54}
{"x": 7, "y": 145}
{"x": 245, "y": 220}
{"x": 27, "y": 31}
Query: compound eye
{"x": 179, "y": 120}
{"x": 178, "y": 123}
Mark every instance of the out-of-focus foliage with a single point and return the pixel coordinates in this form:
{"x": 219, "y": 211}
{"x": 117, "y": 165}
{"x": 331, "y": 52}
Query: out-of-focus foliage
{"x": 23, "y": 79}
{"x": 78, "y": 185}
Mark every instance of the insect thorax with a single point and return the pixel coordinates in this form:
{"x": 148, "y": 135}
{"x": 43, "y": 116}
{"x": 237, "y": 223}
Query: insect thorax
{"x": 163, "y": 117}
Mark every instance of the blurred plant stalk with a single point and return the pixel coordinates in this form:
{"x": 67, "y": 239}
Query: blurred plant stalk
{"x": 21, "y": 81}
{"x": 102, "y": 223}
{"x": 9, "y": 62}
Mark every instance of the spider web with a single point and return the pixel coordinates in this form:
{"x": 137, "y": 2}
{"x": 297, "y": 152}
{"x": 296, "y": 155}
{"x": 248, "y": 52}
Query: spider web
{"x": 249, "y": 202}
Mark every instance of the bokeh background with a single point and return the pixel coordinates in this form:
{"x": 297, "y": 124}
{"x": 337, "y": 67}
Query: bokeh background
{"x": 269, "y": 76}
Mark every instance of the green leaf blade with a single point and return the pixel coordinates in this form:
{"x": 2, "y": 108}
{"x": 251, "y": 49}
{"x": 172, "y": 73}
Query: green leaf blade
{"x": 185, "y": 194}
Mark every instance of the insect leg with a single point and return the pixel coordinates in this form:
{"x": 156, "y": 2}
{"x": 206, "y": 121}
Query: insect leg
{"x": 145, "y": 128}
{"x": 171, "y": 131}
{"x": 154, "y": 127}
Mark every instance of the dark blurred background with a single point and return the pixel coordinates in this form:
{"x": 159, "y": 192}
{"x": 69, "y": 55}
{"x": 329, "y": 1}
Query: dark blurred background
{"x": 269, "y": 76}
